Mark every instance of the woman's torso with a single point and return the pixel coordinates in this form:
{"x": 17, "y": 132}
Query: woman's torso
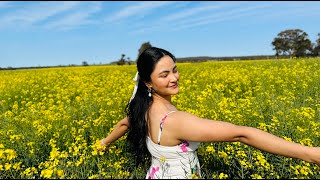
{"x": 171, "y": 158}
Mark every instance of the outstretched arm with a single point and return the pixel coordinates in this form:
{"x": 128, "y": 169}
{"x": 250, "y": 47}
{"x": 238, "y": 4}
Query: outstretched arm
{"x": 190, "y": 127}
{"x": 119, "y": 130}
{"x": 276, "y": 145}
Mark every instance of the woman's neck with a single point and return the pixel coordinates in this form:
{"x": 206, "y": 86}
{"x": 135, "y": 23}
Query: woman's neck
{"x": 163, "y": 103}
{"x": 160, "y": 99}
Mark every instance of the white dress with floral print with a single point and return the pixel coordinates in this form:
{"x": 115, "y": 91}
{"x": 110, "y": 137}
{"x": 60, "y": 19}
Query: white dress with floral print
{"x": 173, "y": 162}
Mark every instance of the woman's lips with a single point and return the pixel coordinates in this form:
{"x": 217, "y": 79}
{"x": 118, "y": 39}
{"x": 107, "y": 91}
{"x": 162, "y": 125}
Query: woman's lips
{"x": 174, "y": 86}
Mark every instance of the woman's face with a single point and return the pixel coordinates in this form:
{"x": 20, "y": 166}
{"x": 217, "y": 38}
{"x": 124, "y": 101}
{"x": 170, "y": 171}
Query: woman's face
{"x": 165, "y": 77}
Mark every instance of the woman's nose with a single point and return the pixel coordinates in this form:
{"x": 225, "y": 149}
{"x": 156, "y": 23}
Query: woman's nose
{"x": 174, "y": 77}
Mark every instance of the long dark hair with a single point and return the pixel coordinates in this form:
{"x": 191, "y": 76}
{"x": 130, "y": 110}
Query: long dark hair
{"x": 137, "y": 108}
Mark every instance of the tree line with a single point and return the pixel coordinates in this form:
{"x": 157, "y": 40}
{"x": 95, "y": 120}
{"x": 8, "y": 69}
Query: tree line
{"x": 290, "y": 43}
{"x": 295, "y": 43}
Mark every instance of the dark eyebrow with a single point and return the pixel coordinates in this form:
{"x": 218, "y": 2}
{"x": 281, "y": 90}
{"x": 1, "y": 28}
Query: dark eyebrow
{"x": 175, "y": 67}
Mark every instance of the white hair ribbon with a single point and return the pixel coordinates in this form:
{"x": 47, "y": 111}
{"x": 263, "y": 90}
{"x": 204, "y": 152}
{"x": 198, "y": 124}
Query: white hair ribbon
{"x": 136, "y": 78}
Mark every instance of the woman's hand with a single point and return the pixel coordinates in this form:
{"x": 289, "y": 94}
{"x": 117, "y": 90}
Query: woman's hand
{"x": 103, "y": 145}
{"x": 119, "y": 130}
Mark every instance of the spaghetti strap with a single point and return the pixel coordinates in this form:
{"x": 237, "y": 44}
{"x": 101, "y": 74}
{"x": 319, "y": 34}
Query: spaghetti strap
{"x": 161, "y": 123}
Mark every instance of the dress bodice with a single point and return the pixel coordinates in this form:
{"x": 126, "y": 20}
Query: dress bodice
{"x": 173, "y": 162}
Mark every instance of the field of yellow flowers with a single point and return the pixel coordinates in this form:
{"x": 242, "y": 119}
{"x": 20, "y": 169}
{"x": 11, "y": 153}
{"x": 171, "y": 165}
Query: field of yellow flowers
{"x": 51, "y": 120}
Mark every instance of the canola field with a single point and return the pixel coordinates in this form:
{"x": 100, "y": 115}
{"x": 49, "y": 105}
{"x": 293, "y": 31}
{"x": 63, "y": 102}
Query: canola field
{"x": 51, "y": 119}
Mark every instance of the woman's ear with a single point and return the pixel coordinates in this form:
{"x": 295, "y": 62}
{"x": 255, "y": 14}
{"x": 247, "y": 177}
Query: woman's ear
{"x": 148, "y": 85}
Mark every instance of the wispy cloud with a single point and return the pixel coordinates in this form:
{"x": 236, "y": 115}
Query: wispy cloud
{"x": 209, "y": 14}
{"x": 157, "y": 15}
{"x": 220, "y": 16}
{"x": 4, "y": 4}
{"x": 35, "y": 13}
{"x": 293, "y": 12}
{"x": 189, "y": 12}
{"x": 77, "y": 18}
{"x": 214, "y": 14}
{"x": 137, "y": 9}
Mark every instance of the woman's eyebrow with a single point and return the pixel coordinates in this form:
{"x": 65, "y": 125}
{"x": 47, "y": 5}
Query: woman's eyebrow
{"x": 167, "y": 71}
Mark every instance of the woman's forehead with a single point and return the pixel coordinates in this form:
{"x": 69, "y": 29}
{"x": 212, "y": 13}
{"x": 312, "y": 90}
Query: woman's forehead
{"x": 164, "y": 64}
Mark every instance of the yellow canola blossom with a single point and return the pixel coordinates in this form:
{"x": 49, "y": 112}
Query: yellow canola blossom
{"x": 51, "y": 119}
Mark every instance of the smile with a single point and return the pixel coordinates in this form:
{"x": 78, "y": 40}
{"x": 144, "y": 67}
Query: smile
{"x": 174, "y": 86}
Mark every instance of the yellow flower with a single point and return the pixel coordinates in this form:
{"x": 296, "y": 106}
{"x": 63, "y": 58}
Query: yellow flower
{"x": 95, "y": 176}
{"x": 16, "y": 166}
{"x": 78, "y": 98}
{"x": 222, "y": 154}
{"x": 54, "y": 154}
{"x": 46, "y": 173}
{"x": 11, "y": 154}
{"x": 210, "y": 149}
{"x": 162, "y": 159}
{"x": 223, "y": 176}
{"x": 60, "y": 173}
{"x": 2, "y": 156}
{"x": 79, "y": 162}
{"x": 7, "y": 166}
{"x": 27, "y": 172}
{"x": 194, "y": 176}
{"x": 256, "y": 176}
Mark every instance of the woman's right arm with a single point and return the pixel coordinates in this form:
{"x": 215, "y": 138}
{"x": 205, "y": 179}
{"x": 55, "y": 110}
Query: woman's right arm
{"x": 190, "y": 127}
{"x": 119, "y": 130}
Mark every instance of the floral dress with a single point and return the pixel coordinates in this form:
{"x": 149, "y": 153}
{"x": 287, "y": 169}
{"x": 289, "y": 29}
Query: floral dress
{"x": 173, "y": 162}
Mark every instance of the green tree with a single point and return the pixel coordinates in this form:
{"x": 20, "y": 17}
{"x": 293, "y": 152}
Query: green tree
{"x": 316, "y": 49}
{"x": 292, "y": 42}
{"x": 143, "y": 47}
{"x": 278, "y": 46}
{"x": 122, "y": 61}
{"x": 128, "y": 60}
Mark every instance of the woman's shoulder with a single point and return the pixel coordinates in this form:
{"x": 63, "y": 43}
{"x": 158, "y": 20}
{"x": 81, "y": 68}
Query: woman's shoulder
{"x": 180, "y": 117}
{"x": 180, "y": 113}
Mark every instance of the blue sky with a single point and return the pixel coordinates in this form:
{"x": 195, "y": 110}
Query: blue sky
{"x": 40, "y": 33}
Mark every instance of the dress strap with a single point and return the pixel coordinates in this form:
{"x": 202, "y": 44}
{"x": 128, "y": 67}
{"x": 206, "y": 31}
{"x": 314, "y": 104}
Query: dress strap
{"x": 161, "y": 123}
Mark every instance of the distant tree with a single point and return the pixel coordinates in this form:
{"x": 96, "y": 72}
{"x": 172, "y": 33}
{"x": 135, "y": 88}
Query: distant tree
{"x": 278, "y": 46}
{"x": 128, "y": 60}
{"x": 84, "y": 63}
{"x": 316, "y": 48}
{"x": 292, "y": 42}
{"x": 122, "y": 61}
{"x": 143, "y": 47}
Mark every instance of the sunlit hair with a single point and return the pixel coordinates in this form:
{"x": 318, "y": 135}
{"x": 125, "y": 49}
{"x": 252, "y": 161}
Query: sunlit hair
{"x": 138, "y": 107}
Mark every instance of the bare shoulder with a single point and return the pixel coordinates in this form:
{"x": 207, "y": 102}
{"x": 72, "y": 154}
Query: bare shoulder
{"x": 180, "y": 116}
{"x": 187, "y": 126}
{"x": 183, "y": 118}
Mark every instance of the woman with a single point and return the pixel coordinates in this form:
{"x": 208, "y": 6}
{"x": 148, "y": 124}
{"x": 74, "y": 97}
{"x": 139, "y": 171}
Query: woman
{"x": 156, "y": 127}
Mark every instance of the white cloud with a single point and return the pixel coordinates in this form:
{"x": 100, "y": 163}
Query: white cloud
{"x": 77, "y": 18}
{"x": 36, "y": 12}
{"x": 4, "y": 4}
{"x": 141, "y": 8}
{"x": 186, "y": 19}
{"x": 189, "y": 12}
{"x": 70, "y": 14}
{"x": 220, "y": 16}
